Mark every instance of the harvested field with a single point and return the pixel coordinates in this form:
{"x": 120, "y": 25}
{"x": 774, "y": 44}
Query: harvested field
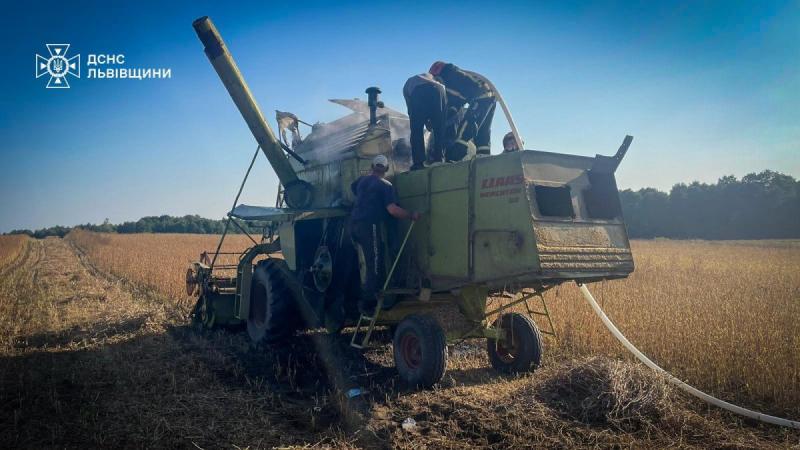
{"x": 96, "y": 353}
{"x": 155, "y": 261}
{"x": 10, "y": 248}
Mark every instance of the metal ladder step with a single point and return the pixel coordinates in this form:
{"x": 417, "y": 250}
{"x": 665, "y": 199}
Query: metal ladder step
{"x": 364, "y": 318}
{"x": 546, "y": 313}
{"x": 379, "y": 307}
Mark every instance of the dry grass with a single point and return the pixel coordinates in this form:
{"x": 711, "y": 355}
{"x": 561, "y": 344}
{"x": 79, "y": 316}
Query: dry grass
{"x": 10, "y": 247}
{"x": 723, "y": 317}
{"x": 93, "y": 360}
{"x": 89, "y": 361}
{"x": 157, "y": 261}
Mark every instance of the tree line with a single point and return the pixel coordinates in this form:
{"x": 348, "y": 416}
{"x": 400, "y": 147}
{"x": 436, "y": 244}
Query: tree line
{"x": 151, "y": 224}
{"x": 763, "y": 205}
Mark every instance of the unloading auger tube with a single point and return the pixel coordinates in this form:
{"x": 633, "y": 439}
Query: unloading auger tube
{"x": 298, "y": 193}
{"x": 672, "y": 379}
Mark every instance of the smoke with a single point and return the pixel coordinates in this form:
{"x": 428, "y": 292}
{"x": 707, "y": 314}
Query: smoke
{"x": 337, "y": 140}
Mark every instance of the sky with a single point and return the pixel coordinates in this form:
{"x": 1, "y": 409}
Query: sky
{"x": 706, "y": 88}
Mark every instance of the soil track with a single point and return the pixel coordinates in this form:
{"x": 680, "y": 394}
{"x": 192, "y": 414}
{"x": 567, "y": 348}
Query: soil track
{"x": 95, "y": 361}
{"x": 88, "y": 360}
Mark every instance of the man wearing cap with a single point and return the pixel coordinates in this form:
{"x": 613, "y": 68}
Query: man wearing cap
{"x": 426, "y": 100}
{"x": 375, "y": 204}
{"x": 465, "y": 87}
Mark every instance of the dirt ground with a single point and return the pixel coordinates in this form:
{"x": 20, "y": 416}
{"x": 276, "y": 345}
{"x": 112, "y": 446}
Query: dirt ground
{"x": 90, "y": 360}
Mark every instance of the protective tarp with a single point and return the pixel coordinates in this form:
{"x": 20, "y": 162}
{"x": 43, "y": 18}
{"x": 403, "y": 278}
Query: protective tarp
{"x": 267, "y": 213}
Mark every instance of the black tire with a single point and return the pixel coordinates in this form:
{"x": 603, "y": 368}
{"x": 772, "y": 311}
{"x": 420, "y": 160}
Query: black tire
{"x": 272, "y": 313}
{"x": 420, "y": 351}
{"x": 203, "y": 316}
{"x": 524, "y": 354}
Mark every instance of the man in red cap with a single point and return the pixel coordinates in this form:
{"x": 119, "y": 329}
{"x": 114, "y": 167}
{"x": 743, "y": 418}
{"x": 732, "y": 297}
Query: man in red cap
{"x": 474, "y": 124}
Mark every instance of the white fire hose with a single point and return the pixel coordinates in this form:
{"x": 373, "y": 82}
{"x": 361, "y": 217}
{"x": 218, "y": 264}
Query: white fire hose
{"x": 639, "y": 355}
{"x": 694, "y": 391}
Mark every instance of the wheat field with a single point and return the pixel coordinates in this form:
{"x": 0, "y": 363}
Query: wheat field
{"x": 722, "y": 316}
{"x": 156, "y": 261}
{"x": 10, "y": 247}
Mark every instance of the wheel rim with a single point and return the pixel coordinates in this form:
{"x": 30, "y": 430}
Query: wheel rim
{"x": 507, "y": 349}
{"x": 411, "y": 350}
{"x": 191, "y": 282}
{"x": 207, "y": 315}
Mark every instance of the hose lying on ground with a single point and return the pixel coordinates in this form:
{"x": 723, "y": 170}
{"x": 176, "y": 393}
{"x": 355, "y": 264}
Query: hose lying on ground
{"x": 694, "y": 391}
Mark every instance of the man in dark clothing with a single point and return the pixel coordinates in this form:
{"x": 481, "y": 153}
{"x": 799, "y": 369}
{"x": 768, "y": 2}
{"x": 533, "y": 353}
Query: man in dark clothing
{"x": 465, "y": 87}
{"x": 426, "y": 100}
{"x": 375, "y": 204}
{"x": 510, "y": 143}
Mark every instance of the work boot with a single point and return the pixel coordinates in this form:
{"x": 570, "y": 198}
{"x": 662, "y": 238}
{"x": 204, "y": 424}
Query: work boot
{"x": 417, "y": 167}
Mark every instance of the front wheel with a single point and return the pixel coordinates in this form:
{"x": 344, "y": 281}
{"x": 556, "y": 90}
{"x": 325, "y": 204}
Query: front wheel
{"x": 272, "y": 317}
{"x": 420, "y": 351}
{"x": 520, "y": 350}
{"x": 203, "y": 316}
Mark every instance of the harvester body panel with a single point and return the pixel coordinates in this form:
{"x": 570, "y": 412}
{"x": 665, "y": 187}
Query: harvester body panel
{"x": 518, "y": 217}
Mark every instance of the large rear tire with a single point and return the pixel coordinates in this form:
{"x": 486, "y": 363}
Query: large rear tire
{"x": 521, "y": 350}
{"x": 420, "y": 351}
{"x": 272, "y": 312}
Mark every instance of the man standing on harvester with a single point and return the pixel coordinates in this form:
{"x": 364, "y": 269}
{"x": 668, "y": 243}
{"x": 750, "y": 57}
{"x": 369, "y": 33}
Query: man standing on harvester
{"x": 375, "y": 203}
{"x": 426, "y": 100}
{"x": 474, "y": 123}
{"x": 436, "y": 99}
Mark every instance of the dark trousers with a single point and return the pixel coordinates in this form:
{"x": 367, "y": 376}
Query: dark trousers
{"x": 369, "y": 246}
{"x": 426, "y": 104}
{"x": 484, "y": 114}
{"x": 470, "y": 124}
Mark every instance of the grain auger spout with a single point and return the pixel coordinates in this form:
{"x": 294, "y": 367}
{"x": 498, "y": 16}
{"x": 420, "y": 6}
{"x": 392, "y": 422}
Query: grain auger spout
{"x": 298, "y": 193}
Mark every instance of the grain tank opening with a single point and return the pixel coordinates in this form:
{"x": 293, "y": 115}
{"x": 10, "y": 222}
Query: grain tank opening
{"x": 554, "y": 201}
{"x": 601, "y": 197}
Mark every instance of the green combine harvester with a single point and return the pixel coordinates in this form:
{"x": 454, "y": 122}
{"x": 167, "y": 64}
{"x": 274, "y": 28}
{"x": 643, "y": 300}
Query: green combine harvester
{"x": 496, "y": 233}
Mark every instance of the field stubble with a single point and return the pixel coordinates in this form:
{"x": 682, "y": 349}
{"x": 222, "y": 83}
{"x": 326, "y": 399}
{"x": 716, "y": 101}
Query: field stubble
{"x": 10, "y": 247}
{"x": 724, "y": 317}
{"x": 97, "y": 360}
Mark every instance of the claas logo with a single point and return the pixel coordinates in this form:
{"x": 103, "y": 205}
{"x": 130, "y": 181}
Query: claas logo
{"x": 494, "y": 182}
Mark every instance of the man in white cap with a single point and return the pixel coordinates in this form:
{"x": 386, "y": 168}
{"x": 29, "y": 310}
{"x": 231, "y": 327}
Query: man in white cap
{"x": 375, "y": 204}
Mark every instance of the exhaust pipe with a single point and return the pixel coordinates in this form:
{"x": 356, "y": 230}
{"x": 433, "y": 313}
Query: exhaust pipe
{"x": 298, "y": 193}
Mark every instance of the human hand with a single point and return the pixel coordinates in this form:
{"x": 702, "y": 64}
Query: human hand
{"x": 415, "y": 216}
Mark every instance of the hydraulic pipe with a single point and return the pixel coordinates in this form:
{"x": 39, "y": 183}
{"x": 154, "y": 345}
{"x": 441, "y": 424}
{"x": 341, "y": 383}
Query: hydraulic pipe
{"x": 228, "y": 72}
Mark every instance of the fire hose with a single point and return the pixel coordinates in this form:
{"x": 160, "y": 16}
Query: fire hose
{"x": 639, "y": 355}
{"x": 672, "y": 379}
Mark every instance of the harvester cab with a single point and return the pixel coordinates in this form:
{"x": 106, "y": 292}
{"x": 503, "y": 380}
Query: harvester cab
{"x": 504, "y": 227}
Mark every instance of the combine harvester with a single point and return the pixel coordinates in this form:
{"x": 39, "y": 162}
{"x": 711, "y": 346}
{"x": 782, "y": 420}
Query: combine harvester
{"x": 503, "y": 227}
{"x": 507, "y": 226}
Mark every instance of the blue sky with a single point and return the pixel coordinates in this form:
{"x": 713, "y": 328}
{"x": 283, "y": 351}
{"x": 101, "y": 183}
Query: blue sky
{"x": 706, "y": 88}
